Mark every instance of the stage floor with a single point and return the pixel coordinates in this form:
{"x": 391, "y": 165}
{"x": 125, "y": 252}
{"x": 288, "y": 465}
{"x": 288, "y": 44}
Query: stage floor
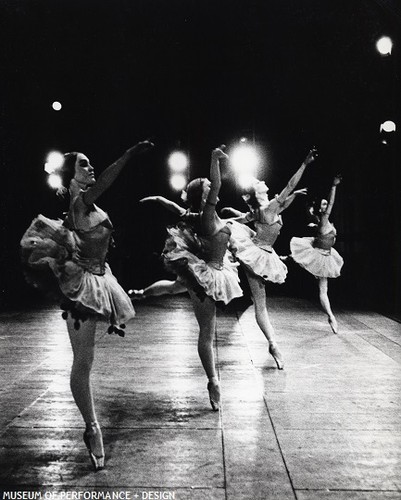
{"x": 327, "y": 427}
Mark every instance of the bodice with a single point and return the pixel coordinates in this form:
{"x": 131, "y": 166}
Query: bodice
{"x": 267, "y": 232}
{"x": 92, "y": 231}
{"x": 216, "y": 246}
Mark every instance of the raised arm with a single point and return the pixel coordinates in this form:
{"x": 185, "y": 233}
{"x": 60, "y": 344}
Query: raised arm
{"x": 110, "y": 174}
{"x": 332, "y": 195}
{"x": 168, "y": 204}
{"x": 292, "y": 184}
{"x": 209, "y": 216}
{"x": 292, "y": 197}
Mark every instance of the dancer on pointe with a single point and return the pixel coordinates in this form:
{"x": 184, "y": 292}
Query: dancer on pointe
{"x": 254, "y": 249}
{"x": 317, "y": 255}
{"x": 68, "y": 259}
{"x": 200, "y": 260}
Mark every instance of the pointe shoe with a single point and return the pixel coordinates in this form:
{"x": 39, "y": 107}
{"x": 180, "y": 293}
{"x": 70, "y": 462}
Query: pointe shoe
{"x": 136, "y": 294}
{"x": 94, "y": 442}
{"x": 333, "y": 324}
{"x": 214, "y": 395}
{"x": 277, "y": 356}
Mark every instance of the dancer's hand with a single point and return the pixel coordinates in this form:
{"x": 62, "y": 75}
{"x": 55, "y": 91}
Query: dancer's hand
{"x": 312, "y": 155}
{"x": 337, "y": 179}
{"x": 219, "y": 153}
{"x": 302, "y": 191}
{"x": 139, "y": 148}
{"x": 230, "y": 212}
{"x": 148, "y": 198}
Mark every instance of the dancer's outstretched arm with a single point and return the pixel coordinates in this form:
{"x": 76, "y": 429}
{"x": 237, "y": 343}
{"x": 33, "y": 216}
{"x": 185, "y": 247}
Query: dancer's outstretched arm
{"x": 210, "y": 218}
{"x": 332, "y": 196}
{"x": 292, "y": 197}
{"x": 108, "y": 176}
{"x": 168, "y": 204}
{"x": 293, "y": 182}
{"x": 237, "y": 215}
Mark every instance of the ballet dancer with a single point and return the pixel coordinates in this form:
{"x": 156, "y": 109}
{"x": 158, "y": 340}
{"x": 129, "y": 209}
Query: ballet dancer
{"x": 200, "y": 260}
{"x": 254, "y": 249}
{"x": 317, "y": 255}
{"x": 68, "y": 259}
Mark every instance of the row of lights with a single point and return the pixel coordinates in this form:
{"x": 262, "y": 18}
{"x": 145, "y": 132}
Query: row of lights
{"x": 244, "y": 160}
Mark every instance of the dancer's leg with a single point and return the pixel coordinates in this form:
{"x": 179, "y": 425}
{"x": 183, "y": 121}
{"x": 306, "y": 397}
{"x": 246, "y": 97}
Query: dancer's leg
{"x": 83, "y": 348}
{"x": 164, "y": 287}
{"x": 257, "y": 287}
{"x": 158, "y": 288}
{"x": 205, "y": 313}
{"x": 325, "y": 303}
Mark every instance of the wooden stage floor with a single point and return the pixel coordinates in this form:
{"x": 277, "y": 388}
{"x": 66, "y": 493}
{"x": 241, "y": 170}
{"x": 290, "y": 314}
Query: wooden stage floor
{"x": 327, "y": 427}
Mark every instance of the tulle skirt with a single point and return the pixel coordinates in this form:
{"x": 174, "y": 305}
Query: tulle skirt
{"x": 321, "y": 263}
{"x": 47, "y": 250}
{"x": 184, "y": 255}
{"x": 261, "y": 260}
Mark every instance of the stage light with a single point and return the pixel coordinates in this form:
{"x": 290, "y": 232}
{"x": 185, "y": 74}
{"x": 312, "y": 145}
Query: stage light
{"x": 178, "y": 182}
{"x": 54, "y": 181}
{"x": 178, "y": 162}
{"x": 54, "y": 161}
{"x": 245, "y": 182}
{"x": 56, "y": 106}
{"x": 244, "y": 160}
{"x": 384, "y": 45}
{"x": 388, "y": 126}
{"x": 243, "y": 139}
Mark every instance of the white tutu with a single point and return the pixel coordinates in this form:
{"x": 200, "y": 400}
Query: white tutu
{"x": 261, "y": 260}
{"x": 183, "y": 255}
{"x": 321, "y": 263}
{"x": 48, "y": 249}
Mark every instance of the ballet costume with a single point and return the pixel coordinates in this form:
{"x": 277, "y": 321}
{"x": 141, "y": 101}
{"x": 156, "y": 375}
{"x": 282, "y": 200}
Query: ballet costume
{"x": 67, "y": 260}
{"x": 317, "y": 255}
{"x": 254, "y": 249}
{"x": 203, "y": 264}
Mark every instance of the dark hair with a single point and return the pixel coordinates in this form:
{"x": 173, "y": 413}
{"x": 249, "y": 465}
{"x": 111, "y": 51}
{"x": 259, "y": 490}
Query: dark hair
{"x": 194, "y": 193}
{"x": 250, "y": 198}
{"x": 67, "y": 171}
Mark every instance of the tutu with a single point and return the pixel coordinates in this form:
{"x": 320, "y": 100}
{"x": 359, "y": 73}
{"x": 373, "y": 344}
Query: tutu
{"x": 261, "y": 260}
{"x": 86, "y": 286}
{"x": 184, "y": 254}
{"x": 321, "y": 263}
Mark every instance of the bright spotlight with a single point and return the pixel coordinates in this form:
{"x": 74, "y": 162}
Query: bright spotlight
{"x": 54, "y": 161}
{"x": 178, "y": 182}
{"x": 178, "y": 161}
{"x": 245, "y": 181}
{"x": 384, "y": 45}
{"x": 388, "y": 126}
{"x": 243, "y": 139}
{"x": 54, "y": 181}
{"x": 245, "y": 160}
{"x": 56, "y": 106}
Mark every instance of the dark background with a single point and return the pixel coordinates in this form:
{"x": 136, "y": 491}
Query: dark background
{"x": 195, "y": 74}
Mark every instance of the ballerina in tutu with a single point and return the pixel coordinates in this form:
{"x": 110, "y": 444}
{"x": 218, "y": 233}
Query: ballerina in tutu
{"x": 201, "y": 261}
{"x": 254, "y": 249}
{"x": 68, "y": 260}
{"x": 164, "y": 287}
{"x": 317, "y": 255}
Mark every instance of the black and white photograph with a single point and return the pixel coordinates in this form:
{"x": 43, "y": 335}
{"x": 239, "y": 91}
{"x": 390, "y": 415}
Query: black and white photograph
{"x": 200, "y": 250}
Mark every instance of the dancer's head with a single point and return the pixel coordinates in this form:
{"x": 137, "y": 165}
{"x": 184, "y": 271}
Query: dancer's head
{"x": 256, "y": 194}
{"x": 77, "y": 166}
{"x": 196, "y": 193}
{"x": 323, "y": 206}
